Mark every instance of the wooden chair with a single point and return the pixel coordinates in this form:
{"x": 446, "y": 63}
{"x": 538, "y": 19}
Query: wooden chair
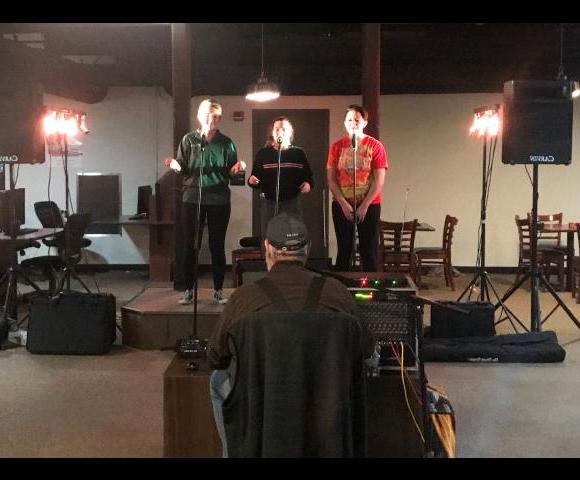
{"x": 397, "y": 251}
{"x": 250, "y": 250}
{"x": 548, "y": 258}
{"x": 439, "y": 255}
{"x": 550, "y": 240}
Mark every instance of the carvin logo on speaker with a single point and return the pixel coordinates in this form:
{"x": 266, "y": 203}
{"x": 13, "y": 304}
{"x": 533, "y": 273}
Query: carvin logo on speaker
{"x": 8, "y": 158}
{"x": 542, "y": 159}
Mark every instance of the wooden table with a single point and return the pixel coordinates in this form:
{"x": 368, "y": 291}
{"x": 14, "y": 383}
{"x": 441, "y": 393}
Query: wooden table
{"x": 37, "y": 235}
{"x": 160, "y": 241}
{"x": 570, "y": 231}
{"x": 425, "y": 227}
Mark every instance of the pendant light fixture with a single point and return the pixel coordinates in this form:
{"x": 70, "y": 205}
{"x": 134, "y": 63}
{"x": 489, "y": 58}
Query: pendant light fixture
{"x": 262, "y": 90}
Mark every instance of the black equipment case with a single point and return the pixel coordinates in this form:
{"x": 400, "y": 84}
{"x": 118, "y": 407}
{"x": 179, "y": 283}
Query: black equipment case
{"x": 72, "y": 323}
{"x": 479, "y": 322}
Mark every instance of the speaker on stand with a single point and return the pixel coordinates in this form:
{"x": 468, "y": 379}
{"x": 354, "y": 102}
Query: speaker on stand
{"x": 537, "y": 131}
{"x": 537, "y": 122}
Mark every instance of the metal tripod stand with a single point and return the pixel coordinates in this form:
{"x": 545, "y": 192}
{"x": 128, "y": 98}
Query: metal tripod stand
{"x": 481, "y": 280}
{"x": 535, "y": 274}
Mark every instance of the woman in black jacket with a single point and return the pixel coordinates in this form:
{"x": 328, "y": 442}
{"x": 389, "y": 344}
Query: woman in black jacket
{"x": 295, "y": 173}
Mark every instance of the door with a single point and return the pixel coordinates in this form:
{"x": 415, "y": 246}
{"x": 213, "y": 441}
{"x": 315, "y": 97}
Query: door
{"x": 311, "y": 134}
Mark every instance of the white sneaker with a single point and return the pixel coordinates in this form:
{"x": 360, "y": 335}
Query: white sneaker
{"x": 187, "y": 298}
{"x": 219, "y": 297}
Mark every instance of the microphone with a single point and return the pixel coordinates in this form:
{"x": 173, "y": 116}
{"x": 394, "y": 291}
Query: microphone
{"x": 279, "y": 140}
{"x": 203, "y": 141}
{"x": 353, "y": 140}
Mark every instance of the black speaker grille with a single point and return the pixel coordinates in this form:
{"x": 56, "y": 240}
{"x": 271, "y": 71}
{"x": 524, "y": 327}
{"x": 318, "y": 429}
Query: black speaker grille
{"x": 537, "y": 123}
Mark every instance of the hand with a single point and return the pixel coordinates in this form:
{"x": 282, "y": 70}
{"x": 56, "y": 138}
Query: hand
{"x": 305, "y": 187}
{"x": 347, "y": 210}
{"x": 361, "y": 212}
{"x": 238, "y": 167}
{"x": 253, "y": 180}
{"x": 173, "y": 164}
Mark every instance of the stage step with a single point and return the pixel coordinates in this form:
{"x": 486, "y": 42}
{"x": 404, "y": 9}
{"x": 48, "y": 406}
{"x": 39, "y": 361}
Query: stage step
{"x": 154, "y": 319}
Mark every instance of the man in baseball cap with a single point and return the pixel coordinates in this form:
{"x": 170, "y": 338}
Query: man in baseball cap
{"x": 287, "y": 246}
{"x": 286, "y": 240}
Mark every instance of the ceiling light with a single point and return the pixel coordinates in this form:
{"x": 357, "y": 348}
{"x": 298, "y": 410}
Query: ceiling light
{"x": 263, "y": 90}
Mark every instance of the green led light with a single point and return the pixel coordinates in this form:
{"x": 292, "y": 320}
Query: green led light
{"x": 364, "y": 296}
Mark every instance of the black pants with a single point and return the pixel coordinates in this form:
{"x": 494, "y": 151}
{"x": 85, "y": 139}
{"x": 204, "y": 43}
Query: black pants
{"x": 268, "y": 207}
{"x": 217, "y": 218}
{"x": 368, "y": 237}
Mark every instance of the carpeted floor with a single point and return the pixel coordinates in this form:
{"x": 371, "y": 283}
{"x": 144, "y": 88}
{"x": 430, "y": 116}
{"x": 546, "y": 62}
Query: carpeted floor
{"x": 112, "y": 405}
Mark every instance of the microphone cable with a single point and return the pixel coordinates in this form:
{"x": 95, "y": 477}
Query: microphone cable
{"x": 406, "y": 397}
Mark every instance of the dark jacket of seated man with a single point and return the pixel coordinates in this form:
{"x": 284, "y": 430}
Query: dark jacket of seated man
{"x": 294, "y": 281}
{"x": 286, "y": 253}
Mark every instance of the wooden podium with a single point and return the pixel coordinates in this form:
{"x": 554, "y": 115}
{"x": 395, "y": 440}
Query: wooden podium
{"x": 189, "y": 429}
{"x": 188, "y": 425}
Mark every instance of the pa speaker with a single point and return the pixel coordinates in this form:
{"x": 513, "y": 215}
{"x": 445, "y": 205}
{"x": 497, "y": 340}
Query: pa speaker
{"x": 21, "y": 134}
{"x": 537, "y": 122}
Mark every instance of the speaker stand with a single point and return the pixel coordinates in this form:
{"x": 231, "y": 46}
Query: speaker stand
{"x": 535, "y": 275}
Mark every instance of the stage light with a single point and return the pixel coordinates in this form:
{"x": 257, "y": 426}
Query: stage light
{"x": 64, "y": 122}
{"x": 49, "y": 124}
{"x": 576, "y": 90}
{"x": 83, "y": 123}
{"x": 263, "y": 90}
{"x": 364, "y": 282}
{"x": 485, "y": 121}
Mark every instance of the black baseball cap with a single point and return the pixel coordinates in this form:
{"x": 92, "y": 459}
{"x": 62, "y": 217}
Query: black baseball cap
{"x": 287, "y": 231}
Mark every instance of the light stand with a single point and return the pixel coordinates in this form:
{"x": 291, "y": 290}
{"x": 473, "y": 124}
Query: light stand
{"x": 354, "y": 220}
{"x": 535, "y": 275}
{"x": 67, "y": 271}
{"x": 64, "y": 124}
{"x": 486, "y": 123}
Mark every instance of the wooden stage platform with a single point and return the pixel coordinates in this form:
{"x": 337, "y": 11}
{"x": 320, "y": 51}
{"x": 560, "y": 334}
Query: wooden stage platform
{"x": 154, "y": 319}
